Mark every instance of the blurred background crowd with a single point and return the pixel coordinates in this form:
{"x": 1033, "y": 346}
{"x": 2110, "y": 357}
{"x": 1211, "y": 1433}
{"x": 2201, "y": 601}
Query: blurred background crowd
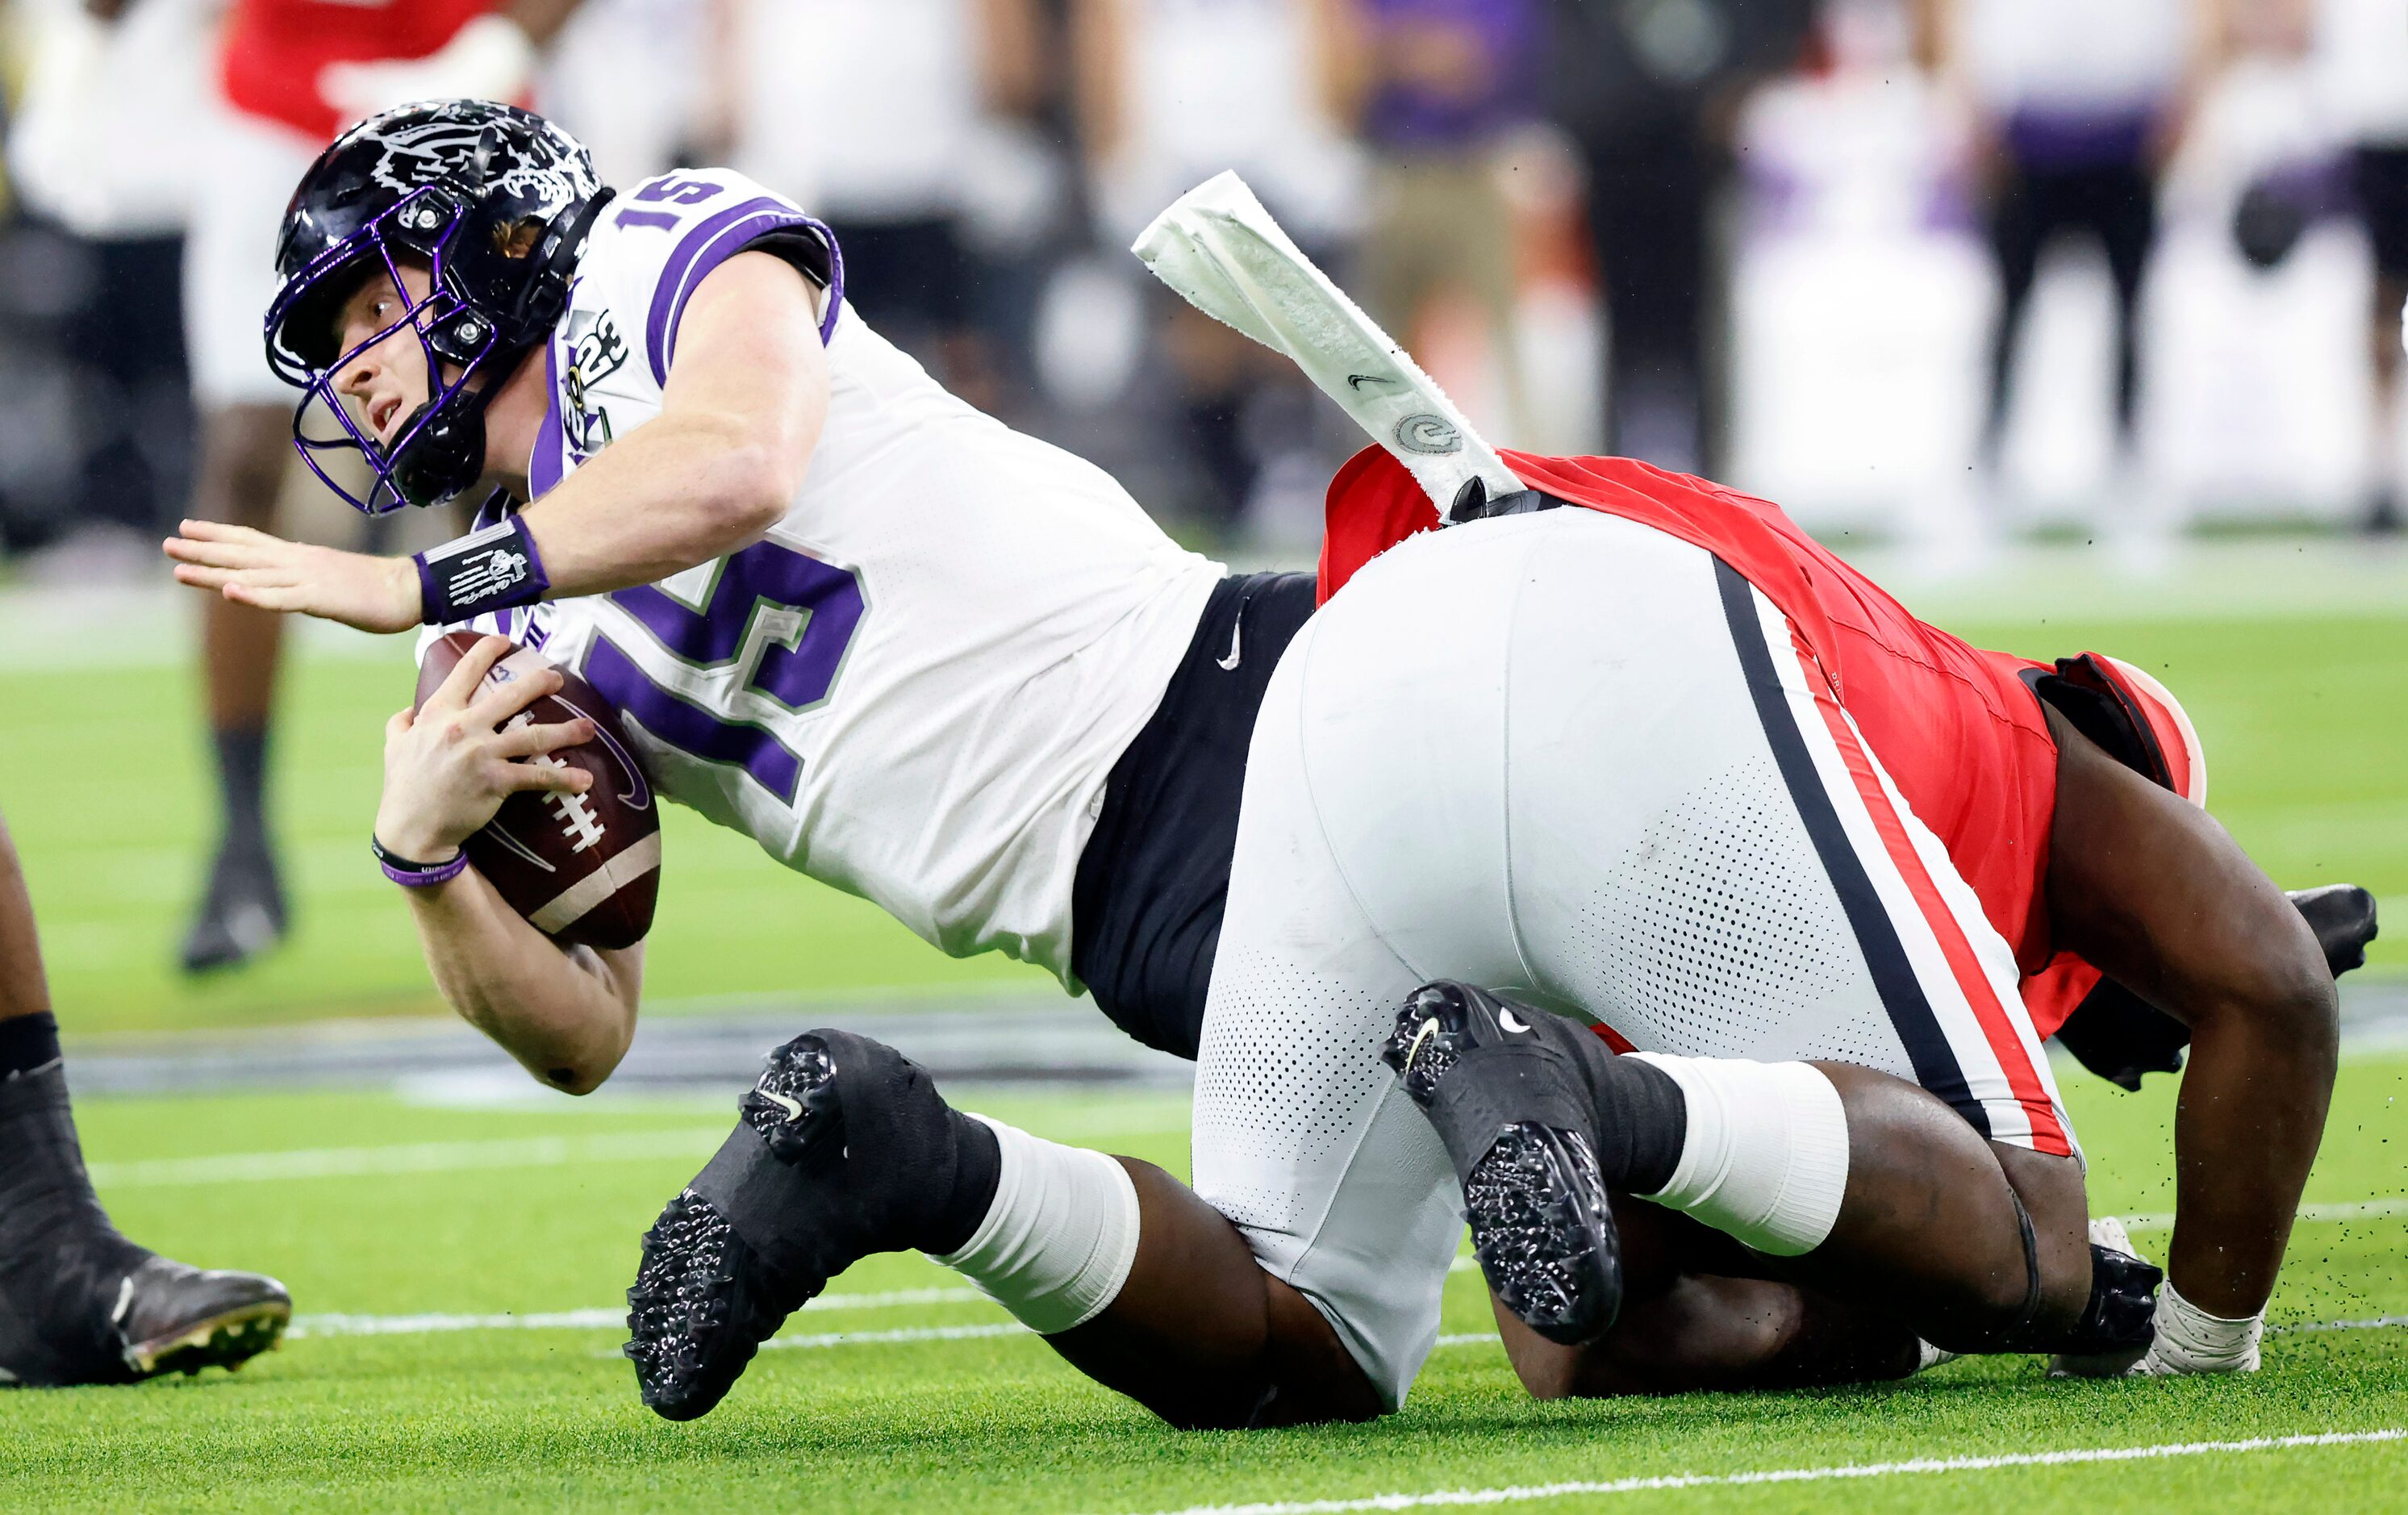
{"x": 1933, "y": 271}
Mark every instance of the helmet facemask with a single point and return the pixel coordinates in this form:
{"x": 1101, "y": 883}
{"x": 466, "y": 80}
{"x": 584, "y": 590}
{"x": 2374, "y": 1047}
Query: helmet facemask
{"x": 439, "y": 449}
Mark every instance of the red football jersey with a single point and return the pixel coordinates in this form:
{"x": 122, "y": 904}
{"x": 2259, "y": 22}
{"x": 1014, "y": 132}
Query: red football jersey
{"x": 274, "y": 48}
{"x": 1962, "y": 735}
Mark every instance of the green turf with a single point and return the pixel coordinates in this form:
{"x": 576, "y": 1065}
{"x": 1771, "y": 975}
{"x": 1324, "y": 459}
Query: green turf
{"x": 100, "y": 776}
{"x": 546, "y": 1418}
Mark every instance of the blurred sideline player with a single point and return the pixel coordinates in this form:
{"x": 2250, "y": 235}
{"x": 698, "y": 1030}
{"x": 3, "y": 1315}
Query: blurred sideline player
{"x": 1165, "y": 94}
{"x": 291, "y": 73}
{"x": 78, "y": 1303}
{"x": 2362, "y": 70}
{"x": 956, "y": 671}
{"x": 913, "y": 81}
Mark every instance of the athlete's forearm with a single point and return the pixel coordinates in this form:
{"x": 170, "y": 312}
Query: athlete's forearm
{"x": 746, "y": 400}
{"x": 566, "y": 1015}
{"x": 2152, "y": 890}
{"x": 2251, "y": 1116}
{"x": 675, "y": 492}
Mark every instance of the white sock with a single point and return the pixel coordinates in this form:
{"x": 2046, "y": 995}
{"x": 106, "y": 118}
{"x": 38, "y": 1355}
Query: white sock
{"x": 1058, "y": 1242}
{"x": 1766, "y": 1158}
{"x": 2190, "y": 1340}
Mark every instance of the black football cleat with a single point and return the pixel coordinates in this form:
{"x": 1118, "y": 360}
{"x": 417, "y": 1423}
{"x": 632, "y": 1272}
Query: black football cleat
{"x": 241, "y": 915}
{"x": 1505, "y": 1088}
{"x": 841, "y": 1149}
{"x": 97, "y": 1310}
{"x": 78, "y": 1303}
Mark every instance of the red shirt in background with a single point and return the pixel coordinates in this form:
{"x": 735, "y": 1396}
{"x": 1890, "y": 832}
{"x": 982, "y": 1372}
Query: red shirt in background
{"x": 274, "y": 49}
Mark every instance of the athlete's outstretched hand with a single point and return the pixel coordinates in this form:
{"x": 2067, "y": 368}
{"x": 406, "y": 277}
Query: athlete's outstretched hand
{"x": 251, "y": 567}
{"x": 449, "y": 764}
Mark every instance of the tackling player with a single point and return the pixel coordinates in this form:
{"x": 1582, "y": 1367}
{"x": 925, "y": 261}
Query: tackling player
{"x": 78, "y": 1303}
{"x": 954, "y": 670}
{"x": 290, "y": 73}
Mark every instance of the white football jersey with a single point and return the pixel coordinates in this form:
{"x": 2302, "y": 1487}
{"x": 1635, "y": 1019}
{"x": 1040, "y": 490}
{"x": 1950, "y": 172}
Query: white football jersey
{"x": 914, "y": 687}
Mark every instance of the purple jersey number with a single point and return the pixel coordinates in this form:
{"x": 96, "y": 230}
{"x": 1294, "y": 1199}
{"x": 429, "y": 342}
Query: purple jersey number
{"x": 677, "y": 192}
{"x": 795, "y": 671}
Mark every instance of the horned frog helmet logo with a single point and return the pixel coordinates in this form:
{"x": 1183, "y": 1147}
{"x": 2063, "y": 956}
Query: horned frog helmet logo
{"x": 438, "y": 149}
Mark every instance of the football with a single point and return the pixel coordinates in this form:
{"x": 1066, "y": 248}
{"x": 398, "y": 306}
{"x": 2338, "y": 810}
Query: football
{"x": 582, "y": 869}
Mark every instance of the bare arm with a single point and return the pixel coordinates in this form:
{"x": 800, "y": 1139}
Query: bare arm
{"x": 566, "y": 1014}
{"x": 1099, "y": 75}
{"x": 1346, "y": 64}
{"x": 743, "y": 407}
{"x": 745, "y": 402}
{"x": 540, "y": 20}
{"x": 2153, "y": 892}
{"x": 1011, "y": 54}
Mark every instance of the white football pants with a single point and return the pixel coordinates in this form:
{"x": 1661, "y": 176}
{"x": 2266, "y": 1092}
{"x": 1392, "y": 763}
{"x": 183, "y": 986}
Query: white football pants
{"x": 1575, "y": 760}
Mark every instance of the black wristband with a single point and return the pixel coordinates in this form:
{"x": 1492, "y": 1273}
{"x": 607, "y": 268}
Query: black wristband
{"x": 493, "y": 568}
{"x": 410, "y": 874}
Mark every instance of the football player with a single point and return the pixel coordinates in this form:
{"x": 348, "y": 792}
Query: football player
{"x": 290, "y": 74}
{"x": 78, "y": 1303}
{"x": 954, "y": 670}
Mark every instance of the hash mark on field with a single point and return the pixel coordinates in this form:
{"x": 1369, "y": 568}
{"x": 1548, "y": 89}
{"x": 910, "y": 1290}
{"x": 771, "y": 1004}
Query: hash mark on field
{"x": 1517, "y": 1493}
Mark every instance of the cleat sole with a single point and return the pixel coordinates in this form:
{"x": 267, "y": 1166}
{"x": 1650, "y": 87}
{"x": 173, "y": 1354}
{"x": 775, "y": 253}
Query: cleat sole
{"x": 1544, "y": 1233}
{"x": 692, "y": 1324}
{"x": 227, "y": 1340}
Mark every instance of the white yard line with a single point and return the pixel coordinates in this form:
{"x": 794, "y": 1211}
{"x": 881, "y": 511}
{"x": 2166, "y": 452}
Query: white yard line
{"x": 1517, "y": 1493}
{"x": 2353, "y": 1209}
{"x": 612, "y": 1316}
{"x": 2381, "y": 1322}
{"x": 871, "y": 1338}
{"x": 412, "y": 1157}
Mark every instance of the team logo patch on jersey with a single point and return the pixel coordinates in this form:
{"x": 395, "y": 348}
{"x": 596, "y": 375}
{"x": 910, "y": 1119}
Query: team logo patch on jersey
{"x": 596, "y": 351}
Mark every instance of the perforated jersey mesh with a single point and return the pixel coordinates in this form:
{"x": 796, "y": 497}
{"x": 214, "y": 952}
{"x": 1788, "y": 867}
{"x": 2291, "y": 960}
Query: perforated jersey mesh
{"x": 1718, "y": 934}
{"x": 1286, "y": 1077}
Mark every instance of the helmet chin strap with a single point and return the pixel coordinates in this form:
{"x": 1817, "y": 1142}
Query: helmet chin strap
{"x": 444, "y": 456}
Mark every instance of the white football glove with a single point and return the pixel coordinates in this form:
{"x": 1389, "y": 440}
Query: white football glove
{"x": 489, "y": 59}
{"x": 2190, "y": 1340}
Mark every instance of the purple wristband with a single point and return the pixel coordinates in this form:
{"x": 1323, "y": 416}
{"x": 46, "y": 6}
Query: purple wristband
{"x": 410, "y": 874}
{"x": 493, "y": 568}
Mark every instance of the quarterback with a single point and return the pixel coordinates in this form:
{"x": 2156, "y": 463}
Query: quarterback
{"x": 1595, "y": 754}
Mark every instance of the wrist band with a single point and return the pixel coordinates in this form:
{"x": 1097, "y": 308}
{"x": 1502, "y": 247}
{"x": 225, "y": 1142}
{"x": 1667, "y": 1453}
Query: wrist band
{"x": 409, "y": 874}
{"x": 489, "y": 569}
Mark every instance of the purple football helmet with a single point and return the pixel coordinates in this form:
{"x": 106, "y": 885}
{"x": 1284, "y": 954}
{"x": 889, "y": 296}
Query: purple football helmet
{"x": 495, "y": 203}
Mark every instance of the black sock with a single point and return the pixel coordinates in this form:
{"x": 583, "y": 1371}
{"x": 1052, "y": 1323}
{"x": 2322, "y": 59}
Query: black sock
{"x": 242, "y": 785}
{"x": 1642, "y": 1117}
{"x": 28, "y": 1043}
{"x": 978, "y": 1169}
{"x": 1654, "y": 1116}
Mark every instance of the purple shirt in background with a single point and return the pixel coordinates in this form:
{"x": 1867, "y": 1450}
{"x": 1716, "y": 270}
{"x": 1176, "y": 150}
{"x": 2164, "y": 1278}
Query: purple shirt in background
{"x": 1410, "y": 117}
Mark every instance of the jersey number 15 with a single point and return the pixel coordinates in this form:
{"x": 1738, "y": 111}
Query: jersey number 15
{"x": 810, "y": 610}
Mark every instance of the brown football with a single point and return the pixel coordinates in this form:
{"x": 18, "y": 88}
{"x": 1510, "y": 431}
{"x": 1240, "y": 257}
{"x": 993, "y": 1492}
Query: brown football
{"x": 583, "y": 868}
